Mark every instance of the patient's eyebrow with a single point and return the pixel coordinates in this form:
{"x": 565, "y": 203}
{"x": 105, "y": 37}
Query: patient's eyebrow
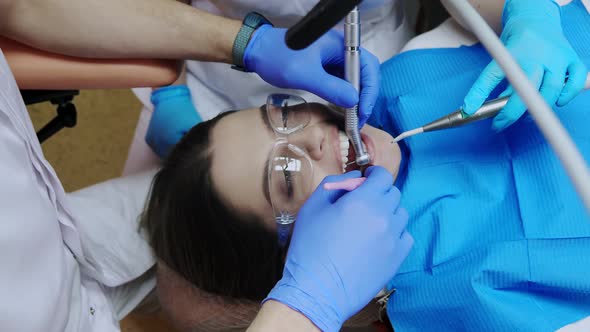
{"x": 265, "y": 189}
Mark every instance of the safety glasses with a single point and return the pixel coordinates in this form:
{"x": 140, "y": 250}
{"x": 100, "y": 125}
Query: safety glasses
{"x": 290, "y": 170}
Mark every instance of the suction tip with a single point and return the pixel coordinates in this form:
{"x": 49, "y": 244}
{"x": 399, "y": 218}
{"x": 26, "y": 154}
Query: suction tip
{"x": 408, "y": 134}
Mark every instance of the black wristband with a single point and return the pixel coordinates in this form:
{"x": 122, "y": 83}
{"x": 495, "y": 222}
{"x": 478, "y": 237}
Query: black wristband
{"x": 251, "y": 22}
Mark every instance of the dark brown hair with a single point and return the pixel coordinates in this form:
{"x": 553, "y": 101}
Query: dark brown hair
{"x": 200, "y": 237}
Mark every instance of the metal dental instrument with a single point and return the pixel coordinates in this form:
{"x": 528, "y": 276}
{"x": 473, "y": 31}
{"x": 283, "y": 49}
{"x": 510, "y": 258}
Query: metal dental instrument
{"x": 458, "y": 118}
{"x": 352, "y": 72}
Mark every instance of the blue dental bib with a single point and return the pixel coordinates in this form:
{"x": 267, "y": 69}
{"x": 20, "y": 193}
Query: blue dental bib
{"x": 502, "y": 241}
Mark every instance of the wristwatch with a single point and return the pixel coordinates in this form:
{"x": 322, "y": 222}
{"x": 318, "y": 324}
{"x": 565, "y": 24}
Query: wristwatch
{"x": 251, "y": 22}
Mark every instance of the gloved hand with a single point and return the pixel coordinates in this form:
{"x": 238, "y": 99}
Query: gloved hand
{"x": 174, "y": 115}
{"x": 533, "y": 35}
{"x": 317, "y": 68}
{"x": 345, "y": 247}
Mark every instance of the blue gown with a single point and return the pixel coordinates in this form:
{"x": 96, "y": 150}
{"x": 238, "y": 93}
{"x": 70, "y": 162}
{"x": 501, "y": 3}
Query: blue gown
{"x": 502, "y": 241}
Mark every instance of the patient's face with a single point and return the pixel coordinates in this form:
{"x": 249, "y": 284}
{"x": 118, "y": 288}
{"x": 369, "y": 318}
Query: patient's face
{"x": 242, "y": 142}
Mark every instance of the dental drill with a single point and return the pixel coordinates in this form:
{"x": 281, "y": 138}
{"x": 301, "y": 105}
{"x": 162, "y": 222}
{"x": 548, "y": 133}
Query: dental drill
{"x": 352, "y": 72}
{"x": 459, "y": 118}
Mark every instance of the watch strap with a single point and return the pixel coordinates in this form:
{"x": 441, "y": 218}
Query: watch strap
{"x": 251, "y": 22}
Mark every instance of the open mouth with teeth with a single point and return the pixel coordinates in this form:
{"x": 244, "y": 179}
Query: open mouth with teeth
{"x": 347, "y": 154}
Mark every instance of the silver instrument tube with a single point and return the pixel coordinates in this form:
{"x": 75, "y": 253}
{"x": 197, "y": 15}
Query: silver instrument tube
{"x": 352, "y": 72}
{"x": 458, "y": 118}
{"x": 487, "y": 110}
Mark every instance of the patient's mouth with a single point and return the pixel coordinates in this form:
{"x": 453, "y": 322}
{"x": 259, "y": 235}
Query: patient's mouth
{"x": 348, "y": 154}
{"x": 351, "y": 164}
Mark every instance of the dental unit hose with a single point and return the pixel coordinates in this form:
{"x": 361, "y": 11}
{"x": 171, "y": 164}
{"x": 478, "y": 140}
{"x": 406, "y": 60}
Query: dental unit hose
{"x": 352, "y": 70}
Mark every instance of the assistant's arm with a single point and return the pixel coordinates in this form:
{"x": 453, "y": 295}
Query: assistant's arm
{"x": 532, "y": 33}
{"x": 275, "y": 316}
{"x": 119, "y": 28}
{"x": 490, "y": 10}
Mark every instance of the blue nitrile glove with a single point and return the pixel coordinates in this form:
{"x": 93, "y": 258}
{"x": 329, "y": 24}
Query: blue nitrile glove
{"x": 174, "y": 115}
{"x": 533, "y": 35}
{"x": 317, "y": 68}
{"x": 345, "y": 247}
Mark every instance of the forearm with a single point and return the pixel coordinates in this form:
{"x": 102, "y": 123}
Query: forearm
{"x": 119, "y": 28}
{"x": 275, "y": 316}
{"x": 490, "y": 10}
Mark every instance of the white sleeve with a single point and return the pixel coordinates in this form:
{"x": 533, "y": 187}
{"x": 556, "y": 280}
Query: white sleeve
{"x": 36, "y": 274}
{"x": 107, "y": 216}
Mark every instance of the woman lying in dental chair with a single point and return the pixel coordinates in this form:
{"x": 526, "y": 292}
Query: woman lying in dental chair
{"x": 501, "y": 238}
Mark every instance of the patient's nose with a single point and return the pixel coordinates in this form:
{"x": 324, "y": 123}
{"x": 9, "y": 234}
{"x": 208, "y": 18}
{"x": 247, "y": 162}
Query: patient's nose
{"x": 312, "y": 140}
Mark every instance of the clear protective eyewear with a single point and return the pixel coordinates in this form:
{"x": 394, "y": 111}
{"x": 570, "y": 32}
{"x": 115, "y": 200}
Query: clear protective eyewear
{"x": 290, "y": 169}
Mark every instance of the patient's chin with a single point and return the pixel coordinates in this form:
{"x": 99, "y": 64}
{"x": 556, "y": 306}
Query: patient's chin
{"x": 391, "y": 168}
{"x": 384, "y": 152}
{"x": 393, "y": 165}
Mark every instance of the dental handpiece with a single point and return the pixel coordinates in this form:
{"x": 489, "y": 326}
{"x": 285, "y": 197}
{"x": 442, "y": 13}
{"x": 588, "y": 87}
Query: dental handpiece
{"x": 352, "y": 72}
{"x": 459, "y": 118}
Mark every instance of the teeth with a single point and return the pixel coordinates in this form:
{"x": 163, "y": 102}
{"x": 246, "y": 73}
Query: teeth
{"x": 344, "y": 145}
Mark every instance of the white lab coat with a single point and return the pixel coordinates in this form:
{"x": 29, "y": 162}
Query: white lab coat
{"x": 67, "y": 262}
{"x": 215, "y": 87}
